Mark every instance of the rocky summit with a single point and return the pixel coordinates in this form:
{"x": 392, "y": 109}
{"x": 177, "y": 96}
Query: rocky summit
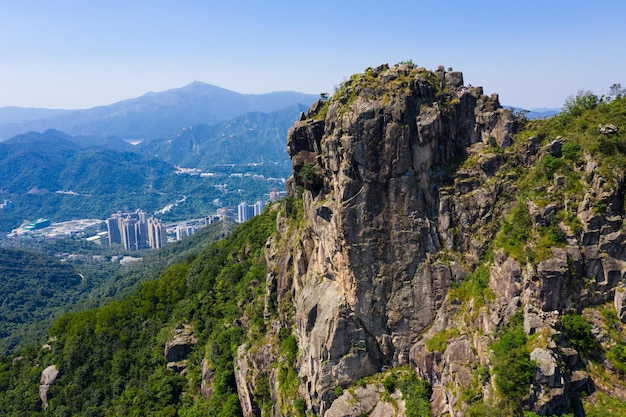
{"x": 408, "y": 180}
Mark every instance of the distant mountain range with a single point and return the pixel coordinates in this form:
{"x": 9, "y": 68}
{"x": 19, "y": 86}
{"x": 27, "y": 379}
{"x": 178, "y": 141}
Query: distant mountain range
{"x": 250, "y": 138}
{"x": 153, "y": 115}
{"x": 538, "y": 113}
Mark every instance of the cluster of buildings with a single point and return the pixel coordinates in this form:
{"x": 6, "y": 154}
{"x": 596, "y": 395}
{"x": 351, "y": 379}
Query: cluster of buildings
{"x": 248, "y": 211}
{"x": 136, "y": 230}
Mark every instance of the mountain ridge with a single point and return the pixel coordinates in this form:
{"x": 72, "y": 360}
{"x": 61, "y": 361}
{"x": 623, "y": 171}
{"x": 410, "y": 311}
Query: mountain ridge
{"x": 151, "y": 115}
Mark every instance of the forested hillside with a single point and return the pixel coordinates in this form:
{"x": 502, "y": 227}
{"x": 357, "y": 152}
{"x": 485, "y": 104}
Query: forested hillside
{"x": 37, "y": 288}
{"x": 112, "y": 357}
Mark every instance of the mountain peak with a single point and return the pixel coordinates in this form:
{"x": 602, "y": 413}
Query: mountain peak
{"x": 152, "y": 115}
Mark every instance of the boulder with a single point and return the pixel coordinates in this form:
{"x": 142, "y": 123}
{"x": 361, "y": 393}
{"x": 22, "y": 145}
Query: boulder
{"x": 48, "y": 377}
{"x": 547, "y": 371}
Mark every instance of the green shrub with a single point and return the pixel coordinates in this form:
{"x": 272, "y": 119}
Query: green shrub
{"x": 390, "y": 383}
{"x": 617, "y": 356}
{"x": 474, "y": 287}
{"x": 577, "y": 330}
{"x": 439, "y": 341}
{"x": 571, "y": 151}
{"x": 416, "y": 393}
{"x": 515, "y": 232}
{"x": 512, "y": 367}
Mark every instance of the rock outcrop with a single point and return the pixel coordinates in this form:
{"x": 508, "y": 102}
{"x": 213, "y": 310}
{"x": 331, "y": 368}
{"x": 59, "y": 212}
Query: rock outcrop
{"x": 406, "y": 179}
{"x": 48, "y": 376}
{"x": 177, "y": 349}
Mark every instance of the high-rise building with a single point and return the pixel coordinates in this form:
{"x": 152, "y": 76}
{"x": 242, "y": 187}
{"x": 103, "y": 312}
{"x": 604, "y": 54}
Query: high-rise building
{"x": 157, "y": 237}
{"x": 115, "y": 235}
{"x": 258, "y": 207}
{"x": 135, "y": 230}
{"x": 244, "y": 212}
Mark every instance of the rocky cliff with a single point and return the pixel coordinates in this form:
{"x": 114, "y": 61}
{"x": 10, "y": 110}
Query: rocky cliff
{"x": 422, "y": 228}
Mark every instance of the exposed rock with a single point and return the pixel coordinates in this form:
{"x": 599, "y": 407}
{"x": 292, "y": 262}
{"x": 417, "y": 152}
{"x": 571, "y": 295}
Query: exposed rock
{"x": 620, "y": 304}
{"x": 547, "y": 371}
{"x": 48, "y": 377}
{"x": 177, "y": 349}
{"x": 368, "y": 286}
{"x": 388, "y": 231}
{"x": 608, "y": 129}
{"x": 206, "y": 386}
{"x": 366, "y": 400}
{"x": 180, "y": 366}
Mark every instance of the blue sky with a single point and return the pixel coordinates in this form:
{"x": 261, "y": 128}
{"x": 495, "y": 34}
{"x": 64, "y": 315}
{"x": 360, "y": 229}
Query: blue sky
{"x": 80, "y": 54}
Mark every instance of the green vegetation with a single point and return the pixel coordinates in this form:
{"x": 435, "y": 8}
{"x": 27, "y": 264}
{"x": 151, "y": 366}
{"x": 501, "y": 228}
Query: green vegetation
{"x": 38, "y": 288}
{"x": 310, "y": 176}
{"x": 515, "y": 232}
{"x": 112, "y": 357}
{"x": 577, "y": 331}
{"x": 34, "y": 287}
{"x": 604, "y": 405}
{"x": 511, "y": 365}
{"x": 62, "y": 181}
{"x": 439, "y": 342}
{"x": 416, "y": 392}
{"x": 616, "y": 354}
{"x": 578, "y": 124}
{"x": 474, "y": 287}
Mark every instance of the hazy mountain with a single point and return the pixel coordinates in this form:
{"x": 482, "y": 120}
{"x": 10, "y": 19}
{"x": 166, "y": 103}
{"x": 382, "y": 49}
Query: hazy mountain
{"x": 26, "y": 114}
{"x": 250, "y": 138}
{"x": 54, "y": 161}
{"x": 151, "y": 115}
{"x": 538, "y": 113}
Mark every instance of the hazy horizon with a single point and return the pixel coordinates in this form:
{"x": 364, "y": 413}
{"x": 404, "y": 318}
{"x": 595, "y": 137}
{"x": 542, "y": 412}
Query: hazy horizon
{"x": 72, "y": 55}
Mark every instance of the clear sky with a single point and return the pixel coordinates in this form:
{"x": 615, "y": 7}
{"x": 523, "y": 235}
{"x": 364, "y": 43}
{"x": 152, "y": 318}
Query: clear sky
{"x": 84, "y": 53}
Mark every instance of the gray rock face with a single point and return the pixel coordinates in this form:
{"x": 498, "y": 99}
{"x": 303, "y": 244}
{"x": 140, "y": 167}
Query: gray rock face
{"x": 394, "y": 219}
{"x": 369, "y": 285}
{"x": 367, "y": 400}
{"x": 48, "y": 376}
{"x": 620, "y": 304}
{"x": 177, "y": 349}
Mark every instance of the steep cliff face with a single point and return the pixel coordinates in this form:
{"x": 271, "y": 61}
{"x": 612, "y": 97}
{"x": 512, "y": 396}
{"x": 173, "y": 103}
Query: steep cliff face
{"x": 371, "y": 284}
{"x": 410, "y": 184}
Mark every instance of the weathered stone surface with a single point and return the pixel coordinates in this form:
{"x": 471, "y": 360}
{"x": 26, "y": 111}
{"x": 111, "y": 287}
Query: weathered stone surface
{"x": 368, "y": 286}
{"x": 608, "y": 129}
{"x": 547, "y": 371}
{"x": 388, "y": 232}
{"x": 206, "y": 386}
{"x": 180, "y": 346}
{"x": 620, "y": 304}
{"x": 366, "y": 400}
{"x": 48, "y": 377}
{"x": 180, "y": 366}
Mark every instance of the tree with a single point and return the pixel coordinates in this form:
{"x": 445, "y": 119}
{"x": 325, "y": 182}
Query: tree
{"x": 583, "y": 100}
{"x": 617, "y": 91}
